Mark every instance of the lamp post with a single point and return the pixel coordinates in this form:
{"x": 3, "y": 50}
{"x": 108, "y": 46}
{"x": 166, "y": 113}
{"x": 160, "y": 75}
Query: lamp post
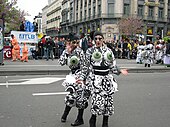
{"x": 1, "y": 45}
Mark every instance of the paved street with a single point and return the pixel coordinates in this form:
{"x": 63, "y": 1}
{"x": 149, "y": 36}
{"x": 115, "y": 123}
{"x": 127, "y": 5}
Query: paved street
{"x": 39, "y": 67}
{"x": 142, "y": 101}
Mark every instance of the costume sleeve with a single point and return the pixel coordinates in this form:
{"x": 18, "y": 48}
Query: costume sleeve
{"x": 63, "y": 58}
{"x": 114, "y": 68}
{"x": 85, "y": 65}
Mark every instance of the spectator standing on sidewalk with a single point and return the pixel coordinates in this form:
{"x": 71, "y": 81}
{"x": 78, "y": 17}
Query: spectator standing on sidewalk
{"x": 129, "y": 50}
{"x": 60, "y": 46}
{"x": 99, "y": 62}
{"x": 74, "y": 57}
{"x": 49, "y": 47}
{"x": 43, "y": 48}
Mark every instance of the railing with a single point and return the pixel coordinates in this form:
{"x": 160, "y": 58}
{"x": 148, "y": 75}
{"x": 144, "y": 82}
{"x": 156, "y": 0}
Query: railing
{"x": 117, "y": 16}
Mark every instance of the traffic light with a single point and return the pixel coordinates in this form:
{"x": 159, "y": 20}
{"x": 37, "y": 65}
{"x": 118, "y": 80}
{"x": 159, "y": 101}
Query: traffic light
{"x": 35, "y": 27}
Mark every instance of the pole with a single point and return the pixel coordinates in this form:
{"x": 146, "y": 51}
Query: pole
{"x": 1, "y": 47}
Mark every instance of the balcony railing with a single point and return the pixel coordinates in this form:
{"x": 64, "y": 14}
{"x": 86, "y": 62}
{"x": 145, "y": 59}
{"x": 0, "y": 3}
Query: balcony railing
{"x": 117, "y": 16}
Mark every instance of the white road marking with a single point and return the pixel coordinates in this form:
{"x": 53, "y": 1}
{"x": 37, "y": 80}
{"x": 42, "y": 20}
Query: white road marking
{"x": 35, "y": 81}
{"x": 49, "y": 94}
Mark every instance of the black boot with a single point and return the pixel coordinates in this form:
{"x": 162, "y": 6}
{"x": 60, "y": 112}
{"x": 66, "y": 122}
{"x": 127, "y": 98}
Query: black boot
{"x": 79, "y": 120}
{"x": 92, "y": 121}
{"x": 145, "y": 65}
{"x": 105, "y": 121}
{"x": 66, "y": 112}
{"x": 149, "y": 65}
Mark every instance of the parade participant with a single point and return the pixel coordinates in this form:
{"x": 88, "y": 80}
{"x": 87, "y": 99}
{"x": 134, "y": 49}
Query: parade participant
{"x": 99, "y": 62}
{"x": 74, "y": 57}
{"x": 148, "y": 56}
{"x": 167, "y": 54}
{"x": 24, "y": 53}
{"x": 159, "y": 52}
{"x": 13, "y": 43}
{"x": 17, "y": 51}
{"x": 140, "y": 52}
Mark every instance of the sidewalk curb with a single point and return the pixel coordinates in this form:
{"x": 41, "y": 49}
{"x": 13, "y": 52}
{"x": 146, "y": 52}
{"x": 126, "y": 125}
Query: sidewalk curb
{"x": 65, "y": 72}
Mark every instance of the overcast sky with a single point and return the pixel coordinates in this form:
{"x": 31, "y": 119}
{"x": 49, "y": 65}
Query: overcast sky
{"x": 33, "y": 7}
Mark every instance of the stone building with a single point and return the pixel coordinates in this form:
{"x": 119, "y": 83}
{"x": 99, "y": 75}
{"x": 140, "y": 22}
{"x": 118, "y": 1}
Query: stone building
{"x": 77, "y": 16}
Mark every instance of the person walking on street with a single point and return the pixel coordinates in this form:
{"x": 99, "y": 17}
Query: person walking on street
{"x": 74, "y": 57}
{"x": 99, "y": 62}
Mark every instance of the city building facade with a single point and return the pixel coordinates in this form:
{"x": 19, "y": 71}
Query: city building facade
{"x": 44, "y": 19}
{"x": 85, "y": 16}
{"x": 52, "y": 17}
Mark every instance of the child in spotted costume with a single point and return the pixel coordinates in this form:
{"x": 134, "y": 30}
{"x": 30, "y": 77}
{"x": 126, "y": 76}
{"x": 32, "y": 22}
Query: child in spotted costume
{"x": 148, "y": 55}
{"x": 74, "y": 57}
{"x": 100, "y": 62}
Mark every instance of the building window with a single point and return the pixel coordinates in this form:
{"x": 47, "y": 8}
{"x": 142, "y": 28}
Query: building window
{"x": 94, "y": 11}
{"x": 76, "y": 16}
{"x": 89, "y": 1}
{"x": 81, "y": 15}
{"x": 71, "y": 17}
{"x": 110, "y": 8}
{"x": 81, "y": 3}
{"x": 89, "y": 12}
{"x": 77, "y": 5}
{"x": 85, "y": 3}
{"x": 150, "y": 12}
{"x": 126, "y": 10}
{"x": 160, "y": 13}
{"x": 99, "y": 10}
{"x": 85, "y": 12}
{"x": 169, "y": 13}
{"x": 161, "y": 1}
{"x": 140, "y": 10}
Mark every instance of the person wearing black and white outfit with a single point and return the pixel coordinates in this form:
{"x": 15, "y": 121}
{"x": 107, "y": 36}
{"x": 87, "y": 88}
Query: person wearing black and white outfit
{"x": 74, "y": 58}
{"x": 100, "y": 62}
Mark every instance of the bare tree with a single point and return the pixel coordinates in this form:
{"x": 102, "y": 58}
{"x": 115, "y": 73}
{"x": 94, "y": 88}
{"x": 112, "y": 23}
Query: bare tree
{"x": 130, "y": 26}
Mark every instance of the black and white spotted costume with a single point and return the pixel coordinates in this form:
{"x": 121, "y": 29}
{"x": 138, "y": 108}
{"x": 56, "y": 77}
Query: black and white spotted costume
{"x": 100, "y": 62}
{"x": 75, "y": 62}
{"x": 148, "y": 56}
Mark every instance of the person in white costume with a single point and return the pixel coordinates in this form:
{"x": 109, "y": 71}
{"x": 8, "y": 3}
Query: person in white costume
{"x": 140, "y": 53}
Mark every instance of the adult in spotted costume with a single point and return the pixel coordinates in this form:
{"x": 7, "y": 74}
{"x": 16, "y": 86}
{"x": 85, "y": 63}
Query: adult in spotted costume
{"x": 78, "y": 96}
{"x": 100, "y": 62}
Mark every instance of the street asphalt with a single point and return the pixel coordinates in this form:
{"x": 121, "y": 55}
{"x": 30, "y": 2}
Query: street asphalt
{"x": 43, "y": 67}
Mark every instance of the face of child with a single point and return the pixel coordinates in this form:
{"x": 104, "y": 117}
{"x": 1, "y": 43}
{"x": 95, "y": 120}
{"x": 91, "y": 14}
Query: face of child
{"x": 98, "y": 40}
{"x": 74, "y": 44}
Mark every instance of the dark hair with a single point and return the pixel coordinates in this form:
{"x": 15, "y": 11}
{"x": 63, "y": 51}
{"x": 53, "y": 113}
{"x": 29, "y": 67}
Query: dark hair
{"x": 92, "y": 34}
{"x": 98, "y": 33}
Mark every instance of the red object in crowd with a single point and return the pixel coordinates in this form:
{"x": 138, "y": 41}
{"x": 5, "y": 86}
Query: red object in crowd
{"x": 43, "y": 40}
